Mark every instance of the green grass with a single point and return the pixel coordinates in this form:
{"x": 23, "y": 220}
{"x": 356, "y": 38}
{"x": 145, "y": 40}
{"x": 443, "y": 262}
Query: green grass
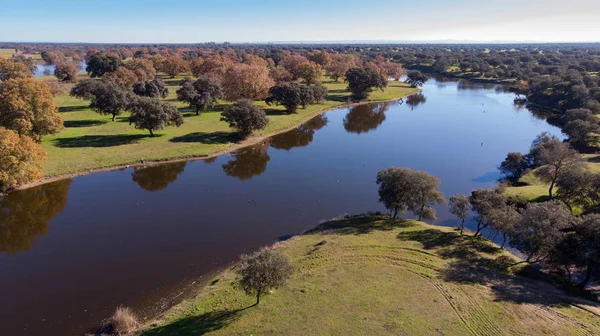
{"x": 91, "y": 141}
{"x": 376, "y": 276}
{"x": 531, "y": 189}
{"x": 6, "y": 53}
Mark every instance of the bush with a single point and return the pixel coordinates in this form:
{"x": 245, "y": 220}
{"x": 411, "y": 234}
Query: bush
{"x": 124, "y": 321}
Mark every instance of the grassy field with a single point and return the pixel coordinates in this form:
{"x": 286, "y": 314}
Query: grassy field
{"x": 91, "y": 141}
{"x": 6, "y": 53}
{"x": 532, "y": 189}
{"x": 376, "y": 276}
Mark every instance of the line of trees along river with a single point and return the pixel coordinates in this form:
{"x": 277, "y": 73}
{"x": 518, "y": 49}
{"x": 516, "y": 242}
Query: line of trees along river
{"x": 133, "y": 236}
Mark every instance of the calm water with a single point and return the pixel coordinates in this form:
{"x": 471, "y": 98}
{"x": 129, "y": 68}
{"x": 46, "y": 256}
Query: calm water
{"x": 71, "y": 251}
{"x": 42, "y": 67}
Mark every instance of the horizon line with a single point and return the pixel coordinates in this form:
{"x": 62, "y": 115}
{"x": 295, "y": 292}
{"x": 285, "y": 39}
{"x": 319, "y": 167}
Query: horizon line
{"x": 449, "y": 41}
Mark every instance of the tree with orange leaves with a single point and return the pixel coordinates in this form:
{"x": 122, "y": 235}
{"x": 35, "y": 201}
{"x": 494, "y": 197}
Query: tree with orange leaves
{"x": 244, "y": 81}
{"x": 174, "y": 65}
{"x": 27, "y": 107}
{"x": 20, "y": 159}
{"x": 12, "y": 70}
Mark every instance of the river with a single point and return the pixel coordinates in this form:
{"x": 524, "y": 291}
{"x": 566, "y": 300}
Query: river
{"x": 73, "y": 250}
{"x": 41, "y": 68}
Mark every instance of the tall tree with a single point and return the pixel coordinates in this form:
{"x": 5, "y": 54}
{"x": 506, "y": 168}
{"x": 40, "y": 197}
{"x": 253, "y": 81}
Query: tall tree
{"x": 204, "y": 92}
{"x": 320, "y": 57}
{"x": 362, "y": 80}
{"x": 123, "y": 77}
{"x": 540, "y": 228}
{"x": 12, "y": 70}
{"x": 174, "y": 65}
{"x": 460, "y": 207}
{"x": 153, "y": 115}
{"x": 402, "y": 189}
{"x": 99, "y": 64}
{"x": 106, "y": 97}
{"x": 27, "y": 107}
{"x": 484, "y": 201}
{"x": 554, "y": 156}
{"x": 503, "y": 220}
{"x": 310, "y": 72}
{"x": 66, "y": 72}
{"x": 243, "y": 81}
{"x": 514, "y": 166}
{"x": 155, "y": 88}
{"x": 340, "y": 64}
{"x": 416, "y": 78}
{"x": 245, "y": 117}
{"x": 20, "y": 159}
{"x": 425, "y": 194}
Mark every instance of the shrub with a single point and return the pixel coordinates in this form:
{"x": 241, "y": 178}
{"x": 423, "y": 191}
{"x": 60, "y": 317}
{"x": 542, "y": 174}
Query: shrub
{"x": 124, "y": 321}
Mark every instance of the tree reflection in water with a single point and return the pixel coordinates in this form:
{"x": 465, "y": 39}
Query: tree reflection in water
{"x": 157, "y": 177}
{"x": 248, "y": 162}
{"x": 415, "y": 100}
{"x": 365, "y": 118}
{"x": 25, "y": 214}
{"x": 299, "y": 137}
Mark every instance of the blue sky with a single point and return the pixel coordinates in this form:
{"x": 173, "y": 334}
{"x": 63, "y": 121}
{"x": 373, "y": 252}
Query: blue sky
{"x": 189, "y": 21}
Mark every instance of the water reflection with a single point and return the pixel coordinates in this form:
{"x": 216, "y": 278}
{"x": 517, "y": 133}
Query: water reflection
{"x": 301, "y": 136}
{"x": 365, "y": 118}
{"x": 248, "y": 162}
{"x": 158, "y": 177}
{"x": 463, "y": 85}
{"x": 416, "y": 100}
{"x": 25, "y": 215}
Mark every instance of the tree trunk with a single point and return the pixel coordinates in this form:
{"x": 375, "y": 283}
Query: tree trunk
{"x": 257, "y": 298}
{"x": 395, "y": 213}
{"x": 151, "y": 133}
{"x": 114, "y": 117}
{"x": 551, "y": 187}
{"x": 197, "y": 112}
{"x": 503, "y": 240}
{"x": 568, "y": 272}
{"x": 462, "y": 227}
{"x": 588, "y": 275}
{"x": 478, "y": 228}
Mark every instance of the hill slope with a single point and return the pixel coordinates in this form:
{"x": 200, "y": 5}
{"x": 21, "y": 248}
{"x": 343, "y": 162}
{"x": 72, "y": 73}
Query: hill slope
{"x": 374, "y": 276}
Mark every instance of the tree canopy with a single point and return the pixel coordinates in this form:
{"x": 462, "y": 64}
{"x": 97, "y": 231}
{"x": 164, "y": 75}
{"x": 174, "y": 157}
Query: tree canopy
{"x": 361, "y": 81}
{"x": 245, "y": 117}
{"x": 27, "y": 107}
{"x": 152, "y": 114}
{"x": 263, "y": 270}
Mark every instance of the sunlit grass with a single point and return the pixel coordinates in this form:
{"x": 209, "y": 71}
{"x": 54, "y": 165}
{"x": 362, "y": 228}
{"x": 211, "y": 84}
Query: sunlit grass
{"x": 376, "y": 276}
{"x": 90, "y": 140}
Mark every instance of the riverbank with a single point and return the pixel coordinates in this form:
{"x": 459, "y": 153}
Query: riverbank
{"x": 92, "y": 143}
{"x": 377, "y": 276}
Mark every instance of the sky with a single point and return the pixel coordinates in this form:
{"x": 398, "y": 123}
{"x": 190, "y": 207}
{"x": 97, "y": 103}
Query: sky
{"x": 196, "y": 21}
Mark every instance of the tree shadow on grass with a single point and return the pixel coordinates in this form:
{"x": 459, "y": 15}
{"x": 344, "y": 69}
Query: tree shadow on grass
{"x": 594, "y": 159}
{"x": 339, "y": 98}
{"x": 172, "y": 82}
{"x": 72, "y": 108}
{"x": 84, "y": 123}
{"x": 208, "y": 138}
{"x": 450, "y": 244}
{"x": 198, "y": 325}
{"x": 100, "y": 140}
{"x": 276, "y": 112}
{"x": 360, "y": 224}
